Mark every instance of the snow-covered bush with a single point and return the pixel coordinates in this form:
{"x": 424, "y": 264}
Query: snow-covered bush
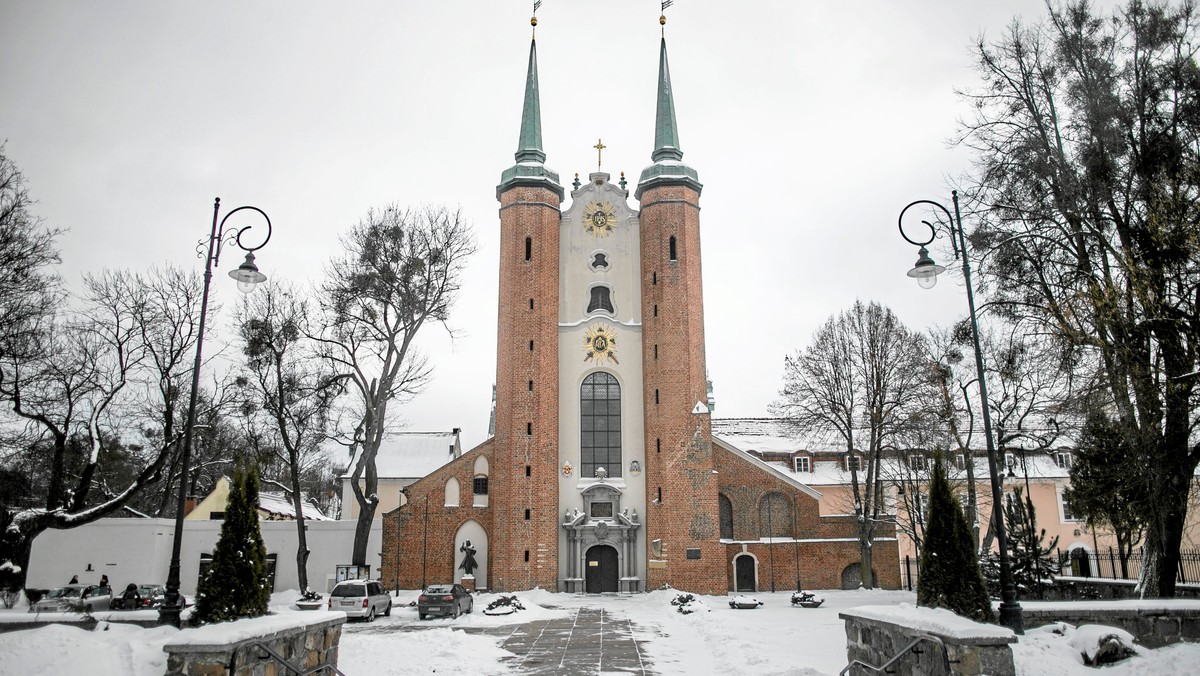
{"x": 688, "y": 604}
{"x": 503, "y": 605}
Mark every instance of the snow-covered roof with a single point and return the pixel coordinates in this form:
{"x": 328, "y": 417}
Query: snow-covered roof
{"x": 412, "y": 455}
{"x": 278, "y": 504}
{"x": 767, "y": 436}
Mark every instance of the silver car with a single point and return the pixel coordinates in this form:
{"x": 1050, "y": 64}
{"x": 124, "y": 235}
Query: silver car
{"x": 361, "y": 598}
{"x": 74, "y": 598}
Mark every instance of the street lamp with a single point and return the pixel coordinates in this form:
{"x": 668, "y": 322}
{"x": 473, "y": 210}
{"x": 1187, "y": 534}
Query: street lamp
{"x": 247, "y": 276}
{"x": 926, "y": 271}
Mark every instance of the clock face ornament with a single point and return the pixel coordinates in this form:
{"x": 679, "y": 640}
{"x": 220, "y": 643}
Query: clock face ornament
{"x": 600, "y": 344}
{"x": 599, "y": 219}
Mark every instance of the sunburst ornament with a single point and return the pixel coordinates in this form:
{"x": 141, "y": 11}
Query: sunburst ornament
{"x": 599, "y": 219}
{"x": 600, "y": 344}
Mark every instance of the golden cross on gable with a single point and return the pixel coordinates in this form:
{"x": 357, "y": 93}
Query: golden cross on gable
{"x": 599, "y": 149}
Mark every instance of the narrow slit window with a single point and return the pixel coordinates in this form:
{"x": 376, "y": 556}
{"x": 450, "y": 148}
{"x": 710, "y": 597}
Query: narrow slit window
{"x": 528, "y": 248}
{"x": 656, "y": 309}
{"x": 526, "y": 513}
{"x": 528, "y": 470}
{"x": 531, "y": 346}
{"x": 672, "y": 248}
{"x": 654, "y": 278}
{"x": 656, "y": 352}
{"x": 529, "y": 429}
{"x": 656, "y": 396}
{"x": 530, "y": 303}
{"x": 531, "y": 386}
{"x": 600, "y": 300}
{"x": 526, "y": 556}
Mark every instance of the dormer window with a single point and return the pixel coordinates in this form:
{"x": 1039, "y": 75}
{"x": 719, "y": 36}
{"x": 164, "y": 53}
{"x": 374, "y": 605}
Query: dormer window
{"x": 600, "y": 300}
{"x": 803, "y": 464}
{"x": 1063, "y": 460}
{"x": 853, "y": 462}
{"x": 918, "y": 462}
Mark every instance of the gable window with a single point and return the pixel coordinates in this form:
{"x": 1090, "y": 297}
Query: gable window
{"x": 918, "y": 462}
{"x": 451, "y": 492}
{"x": 853, "y": 462}
{"x": 600, "y": 300}
{"x": 479, "y": 483}
{"x": 479, "y": 486}
{"x": 600, "y": 425}
{"x": 599, "y": 260}
{"x": 803, "y": 464}
{"x": 1063, "y": 460}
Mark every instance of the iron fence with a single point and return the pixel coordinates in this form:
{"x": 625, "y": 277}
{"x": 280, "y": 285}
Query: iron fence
{"x": 1108, "y": 565}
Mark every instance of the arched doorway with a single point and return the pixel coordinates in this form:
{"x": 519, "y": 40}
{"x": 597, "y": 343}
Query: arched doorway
{"x": 852, "y": 576}
{"x": 601, "y": 566}
{"x": 1081, "y": 563}
{"x": 743, "y": 573}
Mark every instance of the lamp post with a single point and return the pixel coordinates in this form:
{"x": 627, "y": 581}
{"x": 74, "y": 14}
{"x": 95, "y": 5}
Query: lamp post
{"x": 925, "y": 272}
{"x": 247, "y": 276}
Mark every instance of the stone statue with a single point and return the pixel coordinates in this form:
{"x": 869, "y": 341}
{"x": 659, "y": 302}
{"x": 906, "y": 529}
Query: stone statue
{"x": 468, "y": 564}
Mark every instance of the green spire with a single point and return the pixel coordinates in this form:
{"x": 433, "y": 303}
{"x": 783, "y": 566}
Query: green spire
{"x": 666, "y": 132}
{"x": 529, "y": 147}
{"x": 529, "y": 168}
{"x": 668, "y": 167}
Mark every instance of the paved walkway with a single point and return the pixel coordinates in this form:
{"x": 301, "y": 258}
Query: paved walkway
{"x": 590, "y": 641}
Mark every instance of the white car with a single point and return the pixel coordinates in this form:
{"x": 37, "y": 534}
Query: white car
{"x": 361, "y": 598}
{"x": 74, "y": 598}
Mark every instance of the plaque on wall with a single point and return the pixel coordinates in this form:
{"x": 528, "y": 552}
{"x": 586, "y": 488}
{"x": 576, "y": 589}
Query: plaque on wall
{"x": 693, "y": 553}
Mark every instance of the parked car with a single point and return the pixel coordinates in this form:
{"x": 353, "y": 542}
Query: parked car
{"x": 445, "y": 599}
{"x": 148, "y": 596}
{"x": 361, "y": 598}
{"x": 74, "y": 598}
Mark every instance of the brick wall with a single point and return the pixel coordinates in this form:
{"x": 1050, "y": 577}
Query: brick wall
{"x": 415, "y": 559}
{"x": 679, "y": 448}
{"x": 526, "y": 419}
{"x": 822, "y": 546}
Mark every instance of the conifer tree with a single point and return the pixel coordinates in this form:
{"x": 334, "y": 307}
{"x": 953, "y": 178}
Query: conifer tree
{"x": 1032, "y": 563}
{"x": 235, "y": 586}
{"x": 950, "y": 576}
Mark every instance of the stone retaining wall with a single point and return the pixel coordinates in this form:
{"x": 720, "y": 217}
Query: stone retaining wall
{"x": 876, "y": 634}
{"x": 305, "y": 640}
{"x": 1155, "y": 623}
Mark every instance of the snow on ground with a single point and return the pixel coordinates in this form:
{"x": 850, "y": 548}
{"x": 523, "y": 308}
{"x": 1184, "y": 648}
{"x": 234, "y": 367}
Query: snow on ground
{"x": 776, "y": 638}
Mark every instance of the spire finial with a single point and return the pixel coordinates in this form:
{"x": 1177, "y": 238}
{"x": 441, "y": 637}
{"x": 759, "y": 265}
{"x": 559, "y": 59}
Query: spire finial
{"x": 599, "y": 149}
{"x": 533, "y": 19}
{"x": 662, "y": 18}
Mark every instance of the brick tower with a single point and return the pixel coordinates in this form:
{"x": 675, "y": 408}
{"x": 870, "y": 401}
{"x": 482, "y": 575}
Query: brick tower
{"x": 682, "y": 518}
{"x": 524, "y": 495}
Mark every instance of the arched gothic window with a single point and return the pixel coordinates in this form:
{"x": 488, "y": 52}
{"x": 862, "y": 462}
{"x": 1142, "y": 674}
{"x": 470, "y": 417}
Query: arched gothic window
{"x": 726, "y": 518}
{"x": 775, "y": 515}
{"x": 600, "y": 425}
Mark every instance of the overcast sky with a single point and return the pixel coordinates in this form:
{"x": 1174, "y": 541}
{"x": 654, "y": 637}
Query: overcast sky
{"x": 811, "y": 125}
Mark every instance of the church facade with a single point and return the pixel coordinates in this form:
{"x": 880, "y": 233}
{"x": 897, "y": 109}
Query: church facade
{"x": 602, "y": 474}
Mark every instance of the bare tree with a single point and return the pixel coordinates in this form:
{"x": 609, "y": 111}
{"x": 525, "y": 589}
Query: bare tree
{"x": 70, "y": 391}
{"x": 293, "y": 396}
{"x": 1087, "y": 180}
{"x": 864, "y": 378}
{"x": 401, "y": 269}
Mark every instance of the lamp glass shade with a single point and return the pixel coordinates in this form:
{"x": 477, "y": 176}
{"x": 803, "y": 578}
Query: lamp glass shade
{"x": 247, "y": 275}
{"x": 926, "y": 270}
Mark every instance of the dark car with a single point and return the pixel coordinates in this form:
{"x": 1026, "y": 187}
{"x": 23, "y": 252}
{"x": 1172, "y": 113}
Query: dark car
{"x": 444, "y": 599}
{"x": 145, "y": 596}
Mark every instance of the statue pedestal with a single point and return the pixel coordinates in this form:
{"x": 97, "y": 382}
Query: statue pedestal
{"x": 468, "y": 581}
